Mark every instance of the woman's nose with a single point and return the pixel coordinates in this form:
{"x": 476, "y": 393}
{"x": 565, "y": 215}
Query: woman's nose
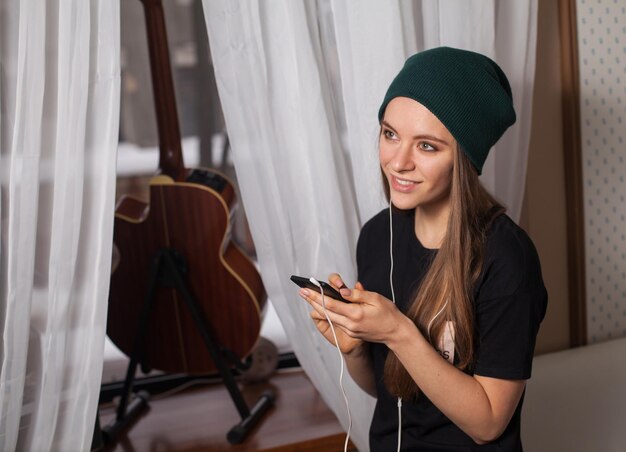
{"x": 402, "y": 160}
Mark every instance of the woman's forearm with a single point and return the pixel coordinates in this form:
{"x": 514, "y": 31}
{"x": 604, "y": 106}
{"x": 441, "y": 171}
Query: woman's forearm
{"x": 360, "y": 368}
{"x": 479, "y": 406}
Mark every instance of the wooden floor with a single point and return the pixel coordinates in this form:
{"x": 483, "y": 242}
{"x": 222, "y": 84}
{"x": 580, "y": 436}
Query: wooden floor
{"x": 198, "y": 420}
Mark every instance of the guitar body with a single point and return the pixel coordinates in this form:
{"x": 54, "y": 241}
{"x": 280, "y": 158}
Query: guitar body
{"x": 194, "y": 218}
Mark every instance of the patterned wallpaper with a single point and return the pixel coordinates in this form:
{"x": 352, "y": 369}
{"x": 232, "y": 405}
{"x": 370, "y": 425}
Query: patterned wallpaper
{"x": 602, "y": 61}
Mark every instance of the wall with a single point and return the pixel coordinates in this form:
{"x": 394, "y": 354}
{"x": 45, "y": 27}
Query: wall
{"x": 602, "y": 61}
{"x": 543, "y": 215}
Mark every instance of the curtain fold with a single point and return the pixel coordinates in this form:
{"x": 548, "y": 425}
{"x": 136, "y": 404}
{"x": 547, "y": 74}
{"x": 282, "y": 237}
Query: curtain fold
{"x": 276, "y": 101}
{"x": 300, "y": 84}
{"x": 515, "y": 52}
{"x": 506, "y": 32}
{"x": 358, "y": 28}
{"x": 59, "y": 120}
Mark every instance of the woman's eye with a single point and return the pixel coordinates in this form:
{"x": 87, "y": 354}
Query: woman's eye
{"x": 427, "y": 147}
{"x": 389, "y": 134}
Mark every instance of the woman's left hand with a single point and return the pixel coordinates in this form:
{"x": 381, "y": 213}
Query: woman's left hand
{"x": 369, "y": 316}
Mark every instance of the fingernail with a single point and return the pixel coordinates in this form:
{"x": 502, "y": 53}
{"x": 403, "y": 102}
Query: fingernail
{"x": 344, "y": 291}
{"x": 304, "y": 292}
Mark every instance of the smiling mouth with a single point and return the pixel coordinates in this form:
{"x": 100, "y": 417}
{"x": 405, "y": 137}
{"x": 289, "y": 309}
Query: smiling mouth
{"x": 404, "y": 182}
{"x": 403, "y": 185}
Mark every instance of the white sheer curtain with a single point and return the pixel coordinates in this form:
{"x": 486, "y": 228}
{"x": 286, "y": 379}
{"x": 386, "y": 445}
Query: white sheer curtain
{"x": 59, "y": 119}
{"x": 300, "y": 83}
{"x": 506, "y": 32}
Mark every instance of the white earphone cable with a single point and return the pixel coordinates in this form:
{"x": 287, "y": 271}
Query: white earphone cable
{"x": 393, "y": 295}
{"x": 341, "y": 360}
{"x": 393, "y": 298}
{"x": 433, "y": 319}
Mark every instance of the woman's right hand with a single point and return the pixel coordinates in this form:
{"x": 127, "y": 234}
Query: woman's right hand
{"x": 347, "y": 343}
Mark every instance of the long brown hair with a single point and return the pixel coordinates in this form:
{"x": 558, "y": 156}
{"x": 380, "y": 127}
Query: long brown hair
{"x": 452, "y": 274}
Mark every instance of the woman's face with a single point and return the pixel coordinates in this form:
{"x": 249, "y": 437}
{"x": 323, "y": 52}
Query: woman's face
{"x": 416, "y": 154}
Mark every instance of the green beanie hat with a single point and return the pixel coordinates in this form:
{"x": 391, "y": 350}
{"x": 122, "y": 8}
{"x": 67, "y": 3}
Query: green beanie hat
{"x": 466, "y": 91}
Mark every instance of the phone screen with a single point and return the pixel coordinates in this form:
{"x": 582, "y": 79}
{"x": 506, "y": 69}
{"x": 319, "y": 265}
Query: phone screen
{"x": 328, "y": 290}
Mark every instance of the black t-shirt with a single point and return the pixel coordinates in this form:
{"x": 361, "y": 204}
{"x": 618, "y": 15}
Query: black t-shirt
{"x": 509, "y": 301}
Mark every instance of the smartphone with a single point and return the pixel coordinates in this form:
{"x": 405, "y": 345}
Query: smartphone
{"x": 328, "y": 290}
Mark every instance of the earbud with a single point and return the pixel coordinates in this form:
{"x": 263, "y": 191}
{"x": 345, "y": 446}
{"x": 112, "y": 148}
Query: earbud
{"x": 315, "y": 281}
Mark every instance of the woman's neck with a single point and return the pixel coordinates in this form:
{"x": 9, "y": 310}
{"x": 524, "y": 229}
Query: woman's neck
{"x": 431, "y": 223}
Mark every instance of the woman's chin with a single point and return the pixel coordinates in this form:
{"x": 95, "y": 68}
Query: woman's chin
{"x": 404, "y": 204}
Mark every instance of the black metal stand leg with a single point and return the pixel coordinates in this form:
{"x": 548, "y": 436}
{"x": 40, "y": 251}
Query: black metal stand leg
{"x": 126, "y": 414}
{"x": 139, "y": 339}
{"x": 249, "y": 418}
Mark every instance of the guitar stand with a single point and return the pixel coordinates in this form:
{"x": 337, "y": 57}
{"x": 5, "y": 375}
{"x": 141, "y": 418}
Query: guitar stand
{"x": 167, "y": 269}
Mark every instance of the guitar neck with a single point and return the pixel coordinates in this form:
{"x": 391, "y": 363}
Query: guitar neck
{"x": 170, "y": 151}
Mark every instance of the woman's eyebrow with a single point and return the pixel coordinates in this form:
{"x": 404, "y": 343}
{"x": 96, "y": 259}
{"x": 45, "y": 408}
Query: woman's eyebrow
{"x": 432, "y": 138}
{"x": 386, "y": 124}
{"x": 421, "y": 136}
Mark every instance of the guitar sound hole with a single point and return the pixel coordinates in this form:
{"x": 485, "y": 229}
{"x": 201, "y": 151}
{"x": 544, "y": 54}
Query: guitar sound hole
{"x": 208, "y": 179}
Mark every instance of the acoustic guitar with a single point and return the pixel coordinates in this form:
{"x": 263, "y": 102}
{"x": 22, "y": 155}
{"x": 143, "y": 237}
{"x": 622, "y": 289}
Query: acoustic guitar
{"x": 190, "y": 211}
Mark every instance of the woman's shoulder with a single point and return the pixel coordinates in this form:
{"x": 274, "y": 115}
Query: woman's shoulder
{"x": 510, "y": 259}
{"x": 374, "y": 227}
{"x": 372, "y": 231}
{"x": 505, "y": 238}
{"x": 375, "y": 231}
{"x": 378, "y": 222}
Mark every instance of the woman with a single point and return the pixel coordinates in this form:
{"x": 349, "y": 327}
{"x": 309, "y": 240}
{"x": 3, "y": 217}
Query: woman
{"x": 456, "y": 347}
